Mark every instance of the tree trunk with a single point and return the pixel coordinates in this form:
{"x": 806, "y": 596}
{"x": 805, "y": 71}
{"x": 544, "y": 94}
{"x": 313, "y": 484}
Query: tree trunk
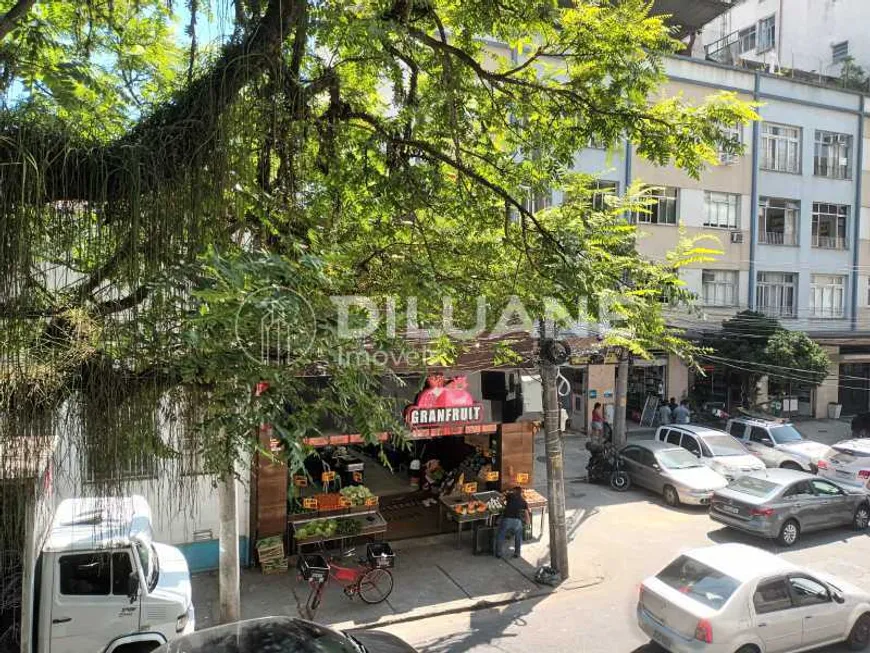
{"x": 555, "y": 471}
{"x": 620, "y": 436}
{"x": 229, "y": 550}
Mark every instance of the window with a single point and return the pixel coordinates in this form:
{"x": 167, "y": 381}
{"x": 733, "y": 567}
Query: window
{"x": 673, "y": 437}
{"x": 755, "y": 487}
{"x": 735, "y": 135}
{"x": 600, "y": 190}
{"x": 747, "y": 39}
{"x": 776, "y": 294}
{"x": 833, "y": 157}
{"x": 632, "y": 453}
{"x": 646, "y": 458}
{"x": 827, "y": 295}
{"x": 691, "y": 444}
{"x": 122, "y": 567}
{"x": 771, "y": 596}
{"x": 780, "y": 147}
{"x": 85, "y": 574}
{"x": 133, "y": 463}
{"x": 596, "y": 143}
{"x": 798, "y": 490}
{"x": 737, "y": 429}
{"x": 767, "y": 34}
{"x": 825, "y": 489}
{"x": 778, "y": 221}
{"x": 758, "y": 434}
{"x": 719, "y": 287}
{"x": 721, "y": 210}
{"x": 663, "y": 210}
{"x": 829, "y": 225}
{"x": 840, "y": 52}
{"x": 699, "y": 582}
{"x": 807, "y": 591}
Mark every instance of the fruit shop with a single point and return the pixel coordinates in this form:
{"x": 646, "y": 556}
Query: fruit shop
{"x": 469, "y": 442}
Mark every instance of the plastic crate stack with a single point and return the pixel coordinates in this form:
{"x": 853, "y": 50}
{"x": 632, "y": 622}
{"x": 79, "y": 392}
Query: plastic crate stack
{"x": 270, "y": 551}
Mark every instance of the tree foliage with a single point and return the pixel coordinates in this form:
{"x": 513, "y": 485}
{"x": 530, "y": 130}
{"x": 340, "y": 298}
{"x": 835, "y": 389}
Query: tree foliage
{"x": 330, "y": 148}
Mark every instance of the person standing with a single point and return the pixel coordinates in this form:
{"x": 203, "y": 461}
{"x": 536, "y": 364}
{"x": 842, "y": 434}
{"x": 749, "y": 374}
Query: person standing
{"x": 665, "y": 414}
{"x": 596, "y": 424}
{"x": 516, "y": 514}
{"x": 682, "y": 414}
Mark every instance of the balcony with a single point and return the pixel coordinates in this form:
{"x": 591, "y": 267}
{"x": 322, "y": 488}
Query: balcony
{"x": 830, "y": 242}
{"x": 777, "y": 238}
{"x": 687, "y": 16}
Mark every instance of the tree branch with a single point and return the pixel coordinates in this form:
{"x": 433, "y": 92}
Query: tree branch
{"x": 11, "y": 18}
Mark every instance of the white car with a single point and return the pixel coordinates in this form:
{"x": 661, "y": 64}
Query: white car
{"x": 734, "y": 598}
{"x": 777, "y": 443}
{"x": 716, "y": 449}
{"x": 848, "y": 463}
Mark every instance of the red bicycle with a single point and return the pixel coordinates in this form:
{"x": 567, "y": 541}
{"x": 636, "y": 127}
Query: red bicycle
{"x": 371, "y": 580}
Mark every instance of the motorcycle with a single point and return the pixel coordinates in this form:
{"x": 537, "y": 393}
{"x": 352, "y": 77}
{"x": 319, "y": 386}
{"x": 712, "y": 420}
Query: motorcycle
{"x": 606, "y": 465}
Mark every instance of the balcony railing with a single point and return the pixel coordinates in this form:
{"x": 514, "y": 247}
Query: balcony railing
{"x": 777, "y": 238}
{"x": 830, "y": 242}
{"x": 776, "y": 310}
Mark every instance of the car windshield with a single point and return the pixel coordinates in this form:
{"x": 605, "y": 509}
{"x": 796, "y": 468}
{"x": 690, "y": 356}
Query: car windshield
{"x": 724, "y": 445}
{"x": 698, "y": 581}
{"x": 756, "y": 487}
{"x": 844, "y": 454}
{"x": 677, "y": 459}
{"x": 785, "y": 434}
{"x": 284, "y": 635}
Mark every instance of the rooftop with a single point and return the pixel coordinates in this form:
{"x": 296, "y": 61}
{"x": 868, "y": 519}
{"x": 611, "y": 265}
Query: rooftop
{"x": 741, "y": 561}
{"x": 99, "y": 523}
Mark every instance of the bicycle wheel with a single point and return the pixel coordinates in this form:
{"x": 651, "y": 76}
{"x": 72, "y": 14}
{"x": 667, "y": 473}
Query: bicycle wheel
{"x": 314, "y": 598}
{"x": 375, "y": 585}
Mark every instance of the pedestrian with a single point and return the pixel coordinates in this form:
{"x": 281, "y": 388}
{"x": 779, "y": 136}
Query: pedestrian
{"x": 596, "y": 424}
{"x": 516, "y": 514}
{"x": 665, "y": 414}
{"x": 672, "y": 404}
{"x": 682, "y": 414}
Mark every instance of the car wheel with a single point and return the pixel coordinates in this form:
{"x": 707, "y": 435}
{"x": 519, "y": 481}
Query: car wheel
{"x": 620, "y": 481}
{"x": 862, "y": 517}
{"x": 749, "y": 648}
{"x": 859, "y": 637}
{"x": 788, "y": 464}
{"x": 789, "y": 533}
{"x": 671, "y": 496}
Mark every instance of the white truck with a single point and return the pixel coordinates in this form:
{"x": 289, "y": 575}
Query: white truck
{"x": 102, "y": 585}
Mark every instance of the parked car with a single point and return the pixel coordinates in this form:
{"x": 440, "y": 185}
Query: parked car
{"x": 671, "y": 471}
{"x": 777, "y": 443}
{"x": 284, "y": 635}
{"x": 716, "y": 449}
{"x": 848, "y": 463}
{"x": 783, "y": 503}
{"x": 734, "y": 597}
{"x": 861, "y": 425}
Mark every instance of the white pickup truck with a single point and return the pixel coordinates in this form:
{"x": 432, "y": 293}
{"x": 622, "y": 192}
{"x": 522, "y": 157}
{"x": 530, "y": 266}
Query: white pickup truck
{"x": 102, "y": 585}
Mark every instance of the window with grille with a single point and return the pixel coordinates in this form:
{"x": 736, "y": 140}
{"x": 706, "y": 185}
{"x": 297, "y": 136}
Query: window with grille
{"x": 778, "y": 221}
{"x": 827, "y": 295}
{"x": 776, "y": 294}
{"x": 833, "y": 157}
{"x": 746, "y": 39}
{"x": 829, "y": 225}
{"x": 192, "y": 462}
{"x": 767, "y": 34}
{"x": 840, "y": 52}
{"x": 721, "y": 210}
{"x": 735, "y": 135}
{"x": 663, "y": 210}
{"x": 600, "y": 190}
{"x": 101, "y": 465}
{"x": 719, "y": 287}
{"x": 780, "y": 147}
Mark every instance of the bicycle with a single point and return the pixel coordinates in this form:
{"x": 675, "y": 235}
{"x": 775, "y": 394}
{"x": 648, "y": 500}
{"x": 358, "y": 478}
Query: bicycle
{"x": 371, "y": 579}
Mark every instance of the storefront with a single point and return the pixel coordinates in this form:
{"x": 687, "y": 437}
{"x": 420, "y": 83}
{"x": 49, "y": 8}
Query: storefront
{"x": 460, "y": 455}
{"x": 646, "y": 378}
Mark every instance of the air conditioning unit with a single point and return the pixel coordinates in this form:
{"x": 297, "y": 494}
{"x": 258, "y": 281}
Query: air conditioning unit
{"x": 737, "y": 237}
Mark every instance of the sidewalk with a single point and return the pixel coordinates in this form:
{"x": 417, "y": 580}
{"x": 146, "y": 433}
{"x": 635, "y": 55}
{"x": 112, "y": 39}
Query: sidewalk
{"x": 431, "y": 575}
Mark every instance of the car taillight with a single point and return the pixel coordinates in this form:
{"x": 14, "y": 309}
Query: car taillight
{"x": 761, "y": 512}
{"x": 864, "y": 473}
{"x": 704, "y": 631}
{"x": 822, "y": 464}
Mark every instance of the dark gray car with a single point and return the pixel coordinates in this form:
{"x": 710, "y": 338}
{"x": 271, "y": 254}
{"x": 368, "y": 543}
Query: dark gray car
{"x": 284, "y": 635}
{"x": 781, "y": 504}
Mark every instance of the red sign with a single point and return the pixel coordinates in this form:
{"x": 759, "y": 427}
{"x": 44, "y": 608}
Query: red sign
{"x": 443, "y": 403}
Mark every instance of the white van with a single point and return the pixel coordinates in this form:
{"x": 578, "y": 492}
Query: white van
{"x": 104, "y": 586}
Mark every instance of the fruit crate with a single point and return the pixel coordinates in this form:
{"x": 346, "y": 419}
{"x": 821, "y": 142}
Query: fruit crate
{"x": 279, "y": 566}
{"x": 313, "y": 567}
{"x": 380, "y": 554}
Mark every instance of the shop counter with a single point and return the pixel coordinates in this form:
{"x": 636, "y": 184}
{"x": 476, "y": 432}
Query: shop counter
{"x": 371, "y": 524}
{"x": 447, "y": 505}
{"x": 537, "y": 502}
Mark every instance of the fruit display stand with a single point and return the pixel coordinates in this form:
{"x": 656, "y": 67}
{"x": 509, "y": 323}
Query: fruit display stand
{"x": 319, "y": 530}
{"x": 467, "y": 509}
{"x": 537, "y": 502}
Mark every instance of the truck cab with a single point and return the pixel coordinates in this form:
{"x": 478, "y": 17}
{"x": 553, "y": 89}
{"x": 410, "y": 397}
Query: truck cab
{"x": 104, "y": 586}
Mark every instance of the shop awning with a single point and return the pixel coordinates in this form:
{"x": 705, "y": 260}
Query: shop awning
{"x": 416, "y": 434}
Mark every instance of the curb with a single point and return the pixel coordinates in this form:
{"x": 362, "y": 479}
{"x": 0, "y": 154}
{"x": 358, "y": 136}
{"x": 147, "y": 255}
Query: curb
{"x": 468, "y": 605}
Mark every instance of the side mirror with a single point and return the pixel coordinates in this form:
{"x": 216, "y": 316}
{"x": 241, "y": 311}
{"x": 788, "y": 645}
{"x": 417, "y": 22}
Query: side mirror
{"x": 837, "y": 596}
{"x": 657, "y": 467}
{"x": 133, "y": 586}
{"x": 767, "y": 442}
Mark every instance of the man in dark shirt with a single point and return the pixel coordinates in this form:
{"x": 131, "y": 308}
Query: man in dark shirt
{"x": 516, "y": 511}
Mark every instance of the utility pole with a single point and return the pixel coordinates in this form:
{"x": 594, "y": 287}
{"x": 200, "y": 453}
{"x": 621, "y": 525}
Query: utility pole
{"x": 619, "y": 433}
{"x": 555, "y": 459}
{"x": 228, "y": 562}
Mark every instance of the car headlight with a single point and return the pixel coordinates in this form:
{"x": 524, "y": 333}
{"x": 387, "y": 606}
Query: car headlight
{"x": 181, "y": 622}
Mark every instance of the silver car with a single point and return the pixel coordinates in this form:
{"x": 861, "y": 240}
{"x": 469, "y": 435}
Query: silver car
{"x": 672, "y": 472}
{"x": 781, "y": 504}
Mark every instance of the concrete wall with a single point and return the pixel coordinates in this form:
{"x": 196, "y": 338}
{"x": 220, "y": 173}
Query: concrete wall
{"x": 601, "y": 380}
{"x": 828, "y": 392}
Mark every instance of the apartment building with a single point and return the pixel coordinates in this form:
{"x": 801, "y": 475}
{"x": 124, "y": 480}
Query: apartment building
{"x": 787, "y": 217}
{"x": 814, "y": 36}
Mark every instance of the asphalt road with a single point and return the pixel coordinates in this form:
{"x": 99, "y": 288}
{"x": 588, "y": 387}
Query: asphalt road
{"x": 624, "y": 539}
